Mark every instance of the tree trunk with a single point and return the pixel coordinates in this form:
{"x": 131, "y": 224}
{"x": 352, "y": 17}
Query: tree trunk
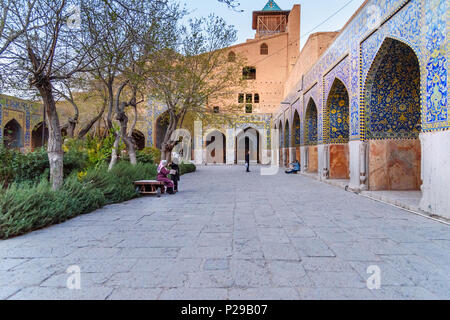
{"x": 71, "y": 127}
{"x": 114, "y": 157}
{"x": 84, "y": 131}
{"x": 54, "y": 149}
{"x": 168, "y": 145}
{"x": 123, "y": 120}
{"x": 109, "y": 124}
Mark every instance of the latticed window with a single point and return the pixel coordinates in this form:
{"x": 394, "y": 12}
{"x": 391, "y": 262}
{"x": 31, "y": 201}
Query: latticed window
{"x": 248, "y": 98}
{"x": 241, "y": 98}
{"x": 256, "y": 98}
{"x": 231, "y": 57}
{"x": 249, "y": 73}
{"x": 248, "y": 108}
{"x": 264, "y": 49}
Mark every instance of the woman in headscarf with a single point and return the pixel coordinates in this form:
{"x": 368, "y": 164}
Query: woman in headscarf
{"x": 162, "y": 176}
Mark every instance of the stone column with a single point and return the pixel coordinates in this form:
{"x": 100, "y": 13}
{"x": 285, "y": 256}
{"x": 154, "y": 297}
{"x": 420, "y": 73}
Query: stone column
{"x": 198, "y": 143}
{"x": 355, "y": 165}
{"x": 304, "y": 158}
{"x": 321, "y": 150}
{"x": 231, "y": 146}
{"x": 292, "y": 154}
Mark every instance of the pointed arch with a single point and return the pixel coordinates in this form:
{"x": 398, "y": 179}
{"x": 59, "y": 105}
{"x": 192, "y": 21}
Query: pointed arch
{"x": 392, "y": 118}
{"x": 311, "y": 122}
{"x": 215, "y": 144}
{"x": 296, "y": 135}
{"x": 336, "y": 118}
{"x": 264, "y": 49}
{"x": 139, "y": 139}
{"x": 13, "y": 135}
{"x": 392, "y": 107}
{"x": 161, "y": 125}
{"x": 39, "y": 136}
{"x": 231, "y": 56}
{"x": 287, "y": 135}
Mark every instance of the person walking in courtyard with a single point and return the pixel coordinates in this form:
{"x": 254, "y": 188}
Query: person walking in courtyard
{"x": 162, "y": 176}
{"x": 247, "y": 160}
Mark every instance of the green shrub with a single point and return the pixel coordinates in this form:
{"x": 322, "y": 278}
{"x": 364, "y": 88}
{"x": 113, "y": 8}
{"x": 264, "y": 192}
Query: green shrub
{"x": 187, "y": 168}
{"x": 34, "y": 166}
{"x": 154, "y": 152}
{"x": 6, "y": 169}
{"x": 27, "y": 206}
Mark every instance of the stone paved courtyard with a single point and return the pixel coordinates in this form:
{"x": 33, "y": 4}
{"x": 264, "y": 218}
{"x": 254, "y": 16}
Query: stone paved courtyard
{"x": 229, "y": 235}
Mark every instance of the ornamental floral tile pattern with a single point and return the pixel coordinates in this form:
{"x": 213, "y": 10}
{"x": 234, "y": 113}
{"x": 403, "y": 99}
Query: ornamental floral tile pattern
{"x": 392, "y": 93}
{"x": 419, "y": 24}
{"x": 11, "y": 108}
{"x": 436, "y": 59}
{"x": 336, "y": 115}
{"x": 311, "y": 118}
{"x": 296, "y": 129}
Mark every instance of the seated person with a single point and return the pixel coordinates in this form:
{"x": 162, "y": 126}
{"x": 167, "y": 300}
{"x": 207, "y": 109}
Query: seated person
{"x": 162, "y": 176}
{"x": 293, "y": 167}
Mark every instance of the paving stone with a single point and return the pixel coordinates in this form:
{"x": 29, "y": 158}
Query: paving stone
{"x": 250, "y": 273}
{"x": 335, "y": 294}
{"x": 389, "y": 276}
{"x": 403, "y": 293}
{"x": 135, "y": 294}
{"x": 195, "y": 294}
{"x": 312, "y": 247}
{"x": 344, "y": 279}
{"x": 264, "y": 294}
{"x": 148, "y": 253}
{"x": 216, "y": 264}
{"x": 325, "y": 264}
{"x": 272, "y": 235}
{"x": 143, "y": 280}
{"x": 289, "y": 274}
{"x": 210, "y": 279}
{"x": 86, "y": 280}
{"x": 240, "y": 239}
{"x": 41, "y": 293}
{"x": 300, "y": 232}
{"x": 206, "y": 252}
{"x": 6, "y": 264}
{"x": 275, "y": 251}
{"x": 6, "y": 292}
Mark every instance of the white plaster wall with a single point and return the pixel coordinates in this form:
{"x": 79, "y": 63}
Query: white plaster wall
{"x": 231, "y": 146}
{"x": 292, "y": 155}
{"x": 354, "y": 149}
{"x": 321, "y": 158}
{"x": 436, "y": 173}
{"x": 304, "y": 158}
{"x": 198, "y": 143}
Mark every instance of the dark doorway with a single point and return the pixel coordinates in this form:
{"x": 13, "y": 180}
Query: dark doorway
{"x": 12, "y": 135}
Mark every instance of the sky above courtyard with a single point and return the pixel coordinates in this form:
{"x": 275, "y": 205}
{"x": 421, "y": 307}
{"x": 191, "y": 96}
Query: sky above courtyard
{"x": 314, "y": 12}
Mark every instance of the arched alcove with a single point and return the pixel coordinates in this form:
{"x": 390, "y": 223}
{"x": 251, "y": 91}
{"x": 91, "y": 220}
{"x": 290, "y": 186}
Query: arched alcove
{"x": 39, "y": 136}
{"x": 215, "y": 144}
{"x": 392, "y": 112}
{"x": 13, "y": 135}
{"x": 139, "y": 139}
{"x": 310, "y": 136}
{"x": 336, "y": 130}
